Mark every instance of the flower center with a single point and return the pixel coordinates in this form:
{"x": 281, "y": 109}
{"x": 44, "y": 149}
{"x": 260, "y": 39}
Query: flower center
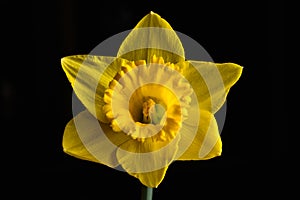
{"x": 147, "y": 101}
{"x": 146, "y": 110}
{"x": 152, "y": 112}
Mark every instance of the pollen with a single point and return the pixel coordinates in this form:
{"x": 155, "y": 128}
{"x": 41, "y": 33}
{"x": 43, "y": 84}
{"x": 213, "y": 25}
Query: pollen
{"x": 147, "y": 105}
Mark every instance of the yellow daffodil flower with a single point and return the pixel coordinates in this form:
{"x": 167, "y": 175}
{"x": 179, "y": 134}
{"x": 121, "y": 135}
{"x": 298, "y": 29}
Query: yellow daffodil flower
{"x": 148, "y": 106}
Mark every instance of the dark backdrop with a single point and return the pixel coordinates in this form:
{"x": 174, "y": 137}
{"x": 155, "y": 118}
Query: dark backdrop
{"x": 243, "y": 32}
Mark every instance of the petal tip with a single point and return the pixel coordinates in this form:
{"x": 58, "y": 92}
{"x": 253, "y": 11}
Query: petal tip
{"x": 154, "y": 14}
{"x": 63, "y": 60}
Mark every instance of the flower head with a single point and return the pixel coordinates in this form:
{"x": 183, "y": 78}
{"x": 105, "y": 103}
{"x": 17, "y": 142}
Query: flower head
{"x": 148, "y": 106}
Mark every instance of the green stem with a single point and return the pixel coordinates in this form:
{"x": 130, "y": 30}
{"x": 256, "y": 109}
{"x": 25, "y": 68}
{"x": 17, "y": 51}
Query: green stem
{"x": 147, "y": 193}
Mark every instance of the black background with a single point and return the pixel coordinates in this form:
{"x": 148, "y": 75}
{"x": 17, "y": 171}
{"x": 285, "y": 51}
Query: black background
{"x": 37, "y": 98}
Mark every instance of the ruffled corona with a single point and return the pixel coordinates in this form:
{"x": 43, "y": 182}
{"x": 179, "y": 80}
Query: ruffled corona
{"x": 147, "y": 100}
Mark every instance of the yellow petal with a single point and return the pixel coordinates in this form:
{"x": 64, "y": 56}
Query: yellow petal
{"x": 152, "y": 36}
{"x": 147, "y": 156}
{"x": 207, "y": 142}
{"x": 90, "y": 76}
{"x": 88, "y": 139}
{"x": 151, "y": 179}
{"x": 211, "y": 81}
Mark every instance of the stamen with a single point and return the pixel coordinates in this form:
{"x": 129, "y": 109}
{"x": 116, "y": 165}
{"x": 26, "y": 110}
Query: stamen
{"x": 147, "y": 105}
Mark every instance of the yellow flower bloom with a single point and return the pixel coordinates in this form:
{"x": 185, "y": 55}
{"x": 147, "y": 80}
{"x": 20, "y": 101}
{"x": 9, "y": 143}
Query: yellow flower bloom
{"x": 148, "y": 106}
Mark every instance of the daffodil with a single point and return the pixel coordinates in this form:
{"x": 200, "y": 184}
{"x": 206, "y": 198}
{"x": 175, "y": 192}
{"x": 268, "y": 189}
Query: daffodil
{"x": 148, "y": 106}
